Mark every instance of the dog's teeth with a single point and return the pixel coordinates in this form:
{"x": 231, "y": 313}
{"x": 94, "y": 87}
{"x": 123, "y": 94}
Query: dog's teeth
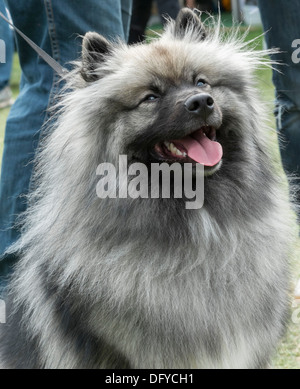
{"x": 173, "y": 149}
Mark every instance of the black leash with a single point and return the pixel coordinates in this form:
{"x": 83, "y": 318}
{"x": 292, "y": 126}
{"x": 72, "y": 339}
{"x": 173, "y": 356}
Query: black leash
{"x": 46, "y": 57}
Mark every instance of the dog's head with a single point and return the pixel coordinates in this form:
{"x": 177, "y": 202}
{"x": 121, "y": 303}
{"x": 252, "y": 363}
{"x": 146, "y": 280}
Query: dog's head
{"x": 185, "y": 97}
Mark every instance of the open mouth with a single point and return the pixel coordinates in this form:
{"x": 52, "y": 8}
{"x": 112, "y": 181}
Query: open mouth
{"x": 200, "y": 146}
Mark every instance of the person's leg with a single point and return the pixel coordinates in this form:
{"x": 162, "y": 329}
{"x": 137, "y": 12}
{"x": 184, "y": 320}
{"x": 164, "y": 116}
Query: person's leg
{"x": 169, "y": 8}
{"x": 281, "y": 23}
{"x": 54, "y": 25}
{"x": 126, "y": 17}
{"x": 141, "y": 12}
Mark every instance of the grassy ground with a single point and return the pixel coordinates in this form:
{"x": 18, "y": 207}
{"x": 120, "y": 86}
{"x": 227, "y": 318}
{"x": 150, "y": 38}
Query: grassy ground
{"x": 15, "y": 80}
{"x": 288, "y": 354}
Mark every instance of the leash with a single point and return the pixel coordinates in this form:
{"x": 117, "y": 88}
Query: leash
{"x": 46, "y": 57}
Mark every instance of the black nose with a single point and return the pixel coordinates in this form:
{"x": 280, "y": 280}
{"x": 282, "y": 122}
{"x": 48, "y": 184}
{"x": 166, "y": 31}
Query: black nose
{"x": 201, "y": 104}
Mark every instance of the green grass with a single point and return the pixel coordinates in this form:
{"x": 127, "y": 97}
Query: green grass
{"x": 288, "y": 354}
{"x": 14, "y": 83}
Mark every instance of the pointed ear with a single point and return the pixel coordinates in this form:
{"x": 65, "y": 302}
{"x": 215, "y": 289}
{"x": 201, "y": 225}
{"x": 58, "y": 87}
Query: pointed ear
{"x": 95, "y": 48}
{"x": 188, "y": 20}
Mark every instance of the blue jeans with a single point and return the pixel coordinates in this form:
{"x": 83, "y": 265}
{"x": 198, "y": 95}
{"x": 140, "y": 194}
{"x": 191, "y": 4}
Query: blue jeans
{"x": 54, "y": 25}
{"x": 6, "y": 35}
{"x": 281, "y": 22}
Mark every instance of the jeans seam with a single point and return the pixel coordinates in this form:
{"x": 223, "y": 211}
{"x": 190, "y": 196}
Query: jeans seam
{"x": 55, "y": 53}
{"x": 54, "y": 48}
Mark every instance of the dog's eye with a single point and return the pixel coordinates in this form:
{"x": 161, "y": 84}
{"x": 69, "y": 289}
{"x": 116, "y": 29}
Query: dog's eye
{"x": 151, "y": 98}
{"x": 201, "y": 82}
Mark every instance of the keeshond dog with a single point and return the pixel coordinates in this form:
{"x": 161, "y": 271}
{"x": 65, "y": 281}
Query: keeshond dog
{"x": 145, "y": 282}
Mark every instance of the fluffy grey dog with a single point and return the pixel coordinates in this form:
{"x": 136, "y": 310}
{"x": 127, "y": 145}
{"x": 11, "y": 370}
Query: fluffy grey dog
{"x": 146, "y": 283}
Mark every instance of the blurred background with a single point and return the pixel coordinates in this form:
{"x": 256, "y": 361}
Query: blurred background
{"x": 245, "y": 11}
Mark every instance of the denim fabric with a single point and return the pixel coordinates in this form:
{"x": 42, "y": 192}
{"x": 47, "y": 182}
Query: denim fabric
{"x": 281, "y": 23}
{"x": 6, "y": 35}
{"x": 55, "y": 26}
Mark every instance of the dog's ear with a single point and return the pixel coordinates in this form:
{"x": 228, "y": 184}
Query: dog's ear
{"x": 95, "y": 48}
{"x": 188, "y": 22}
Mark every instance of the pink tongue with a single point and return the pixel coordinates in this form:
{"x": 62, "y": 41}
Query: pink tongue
{"x": 201, "y": 149}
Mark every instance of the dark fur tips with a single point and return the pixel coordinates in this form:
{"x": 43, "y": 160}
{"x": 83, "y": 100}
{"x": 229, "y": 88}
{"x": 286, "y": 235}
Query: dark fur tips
{"x": 94, "y": 50}
{"x": 189, "y": 20}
